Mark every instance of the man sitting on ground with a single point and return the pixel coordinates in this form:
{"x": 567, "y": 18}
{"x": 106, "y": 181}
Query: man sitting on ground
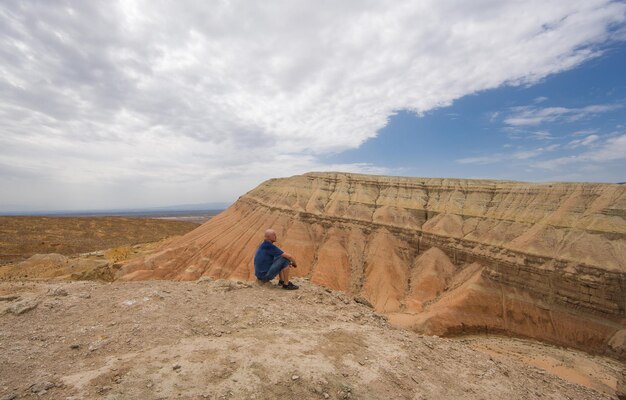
{"x": 270, "y": 261}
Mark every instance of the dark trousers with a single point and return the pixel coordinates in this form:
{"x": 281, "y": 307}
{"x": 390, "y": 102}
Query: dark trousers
{"x": 278, "y": 265}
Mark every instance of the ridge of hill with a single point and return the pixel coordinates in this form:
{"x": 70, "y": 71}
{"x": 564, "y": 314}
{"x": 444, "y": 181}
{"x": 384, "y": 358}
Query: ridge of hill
{"x": 440, "y": 256}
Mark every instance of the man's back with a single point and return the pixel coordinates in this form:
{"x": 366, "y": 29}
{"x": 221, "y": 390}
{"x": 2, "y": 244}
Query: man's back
{"x": 264, "y": 257}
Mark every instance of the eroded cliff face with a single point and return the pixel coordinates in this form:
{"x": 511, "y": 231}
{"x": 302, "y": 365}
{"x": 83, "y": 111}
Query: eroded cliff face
{"x": 442, "y": 256}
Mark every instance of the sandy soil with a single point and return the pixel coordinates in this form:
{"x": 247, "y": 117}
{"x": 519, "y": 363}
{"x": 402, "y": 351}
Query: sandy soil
{"x": 22, "y": 237}
{"x": 223, "y": 340}
{"x": 599, "y": 373}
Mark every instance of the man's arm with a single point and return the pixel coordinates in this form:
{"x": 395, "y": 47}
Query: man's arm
{"x": 290, "y": 258}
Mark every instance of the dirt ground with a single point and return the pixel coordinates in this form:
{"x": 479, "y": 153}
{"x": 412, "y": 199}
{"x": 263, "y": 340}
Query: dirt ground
{"x": 235, "y": 340}
{"x": 599, "y": 373}
{"x": 22, "y": 237}
{"x": 96, "y": 265}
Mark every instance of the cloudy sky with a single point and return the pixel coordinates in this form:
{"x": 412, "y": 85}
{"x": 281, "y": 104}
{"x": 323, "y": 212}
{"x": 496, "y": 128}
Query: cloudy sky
{"x": 127, "y": 104}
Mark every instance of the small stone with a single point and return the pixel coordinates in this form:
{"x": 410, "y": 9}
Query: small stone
{"x": 41, "y": 387}
{"x": 295, "y": 377}
{"x": 57, "y": 292}
{"x": 326, "y": 395}
{"x": 98, "y": 344}
{"x": 176, "y": 367}
{"x": 362, "y": 300}
{"x": 103, "y": 389}
{"x": 75, "y": 346}
{"x": 23, "y": 306}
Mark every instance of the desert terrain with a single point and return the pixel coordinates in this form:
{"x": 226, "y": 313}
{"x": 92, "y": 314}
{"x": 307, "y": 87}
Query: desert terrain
{"x": 402, "y": 296}
{"x": 438, "y": 256}
{"x": 217, "y": 339}
{"x": 23, "y": 237}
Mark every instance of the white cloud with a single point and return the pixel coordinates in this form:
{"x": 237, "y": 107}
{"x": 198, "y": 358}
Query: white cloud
{"x": 584, "y": 132}
{"x": 530, "y": 116}
{"x": 483, "y": 160}
{"x": 500, "y": 157}
{"x": 143, "y": 102}
{"x": 541, "y": 135}
{"x": 612, "y": 149}
{"x": 583, "y": 142}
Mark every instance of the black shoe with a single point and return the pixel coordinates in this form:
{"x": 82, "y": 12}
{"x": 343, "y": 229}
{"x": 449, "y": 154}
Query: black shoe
{"x": 290, "y": 286}
{"x": 281, "y": 283}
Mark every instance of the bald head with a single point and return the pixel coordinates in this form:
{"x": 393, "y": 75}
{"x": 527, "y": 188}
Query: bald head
{"x": 270, "y": 235}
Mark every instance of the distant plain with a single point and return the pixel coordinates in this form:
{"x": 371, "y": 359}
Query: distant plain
{"x": 73, "y": 234}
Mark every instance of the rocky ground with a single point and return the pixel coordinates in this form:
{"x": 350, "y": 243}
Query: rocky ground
{"x": 221, "y": 340}
{"x": 97, "y": 265}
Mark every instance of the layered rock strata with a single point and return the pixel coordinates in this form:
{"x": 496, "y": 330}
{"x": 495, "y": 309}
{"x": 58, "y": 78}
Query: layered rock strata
{"x": 442, "y": 256}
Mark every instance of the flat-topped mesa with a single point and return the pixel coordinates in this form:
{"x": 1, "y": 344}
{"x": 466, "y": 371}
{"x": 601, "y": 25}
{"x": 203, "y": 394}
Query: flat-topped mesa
{"x": 442, "y": 256}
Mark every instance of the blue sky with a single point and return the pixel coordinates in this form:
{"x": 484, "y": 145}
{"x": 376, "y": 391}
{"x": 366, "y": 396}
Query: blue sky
{"x": 475, "y": 137}
{"x": 110, "y": 104}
